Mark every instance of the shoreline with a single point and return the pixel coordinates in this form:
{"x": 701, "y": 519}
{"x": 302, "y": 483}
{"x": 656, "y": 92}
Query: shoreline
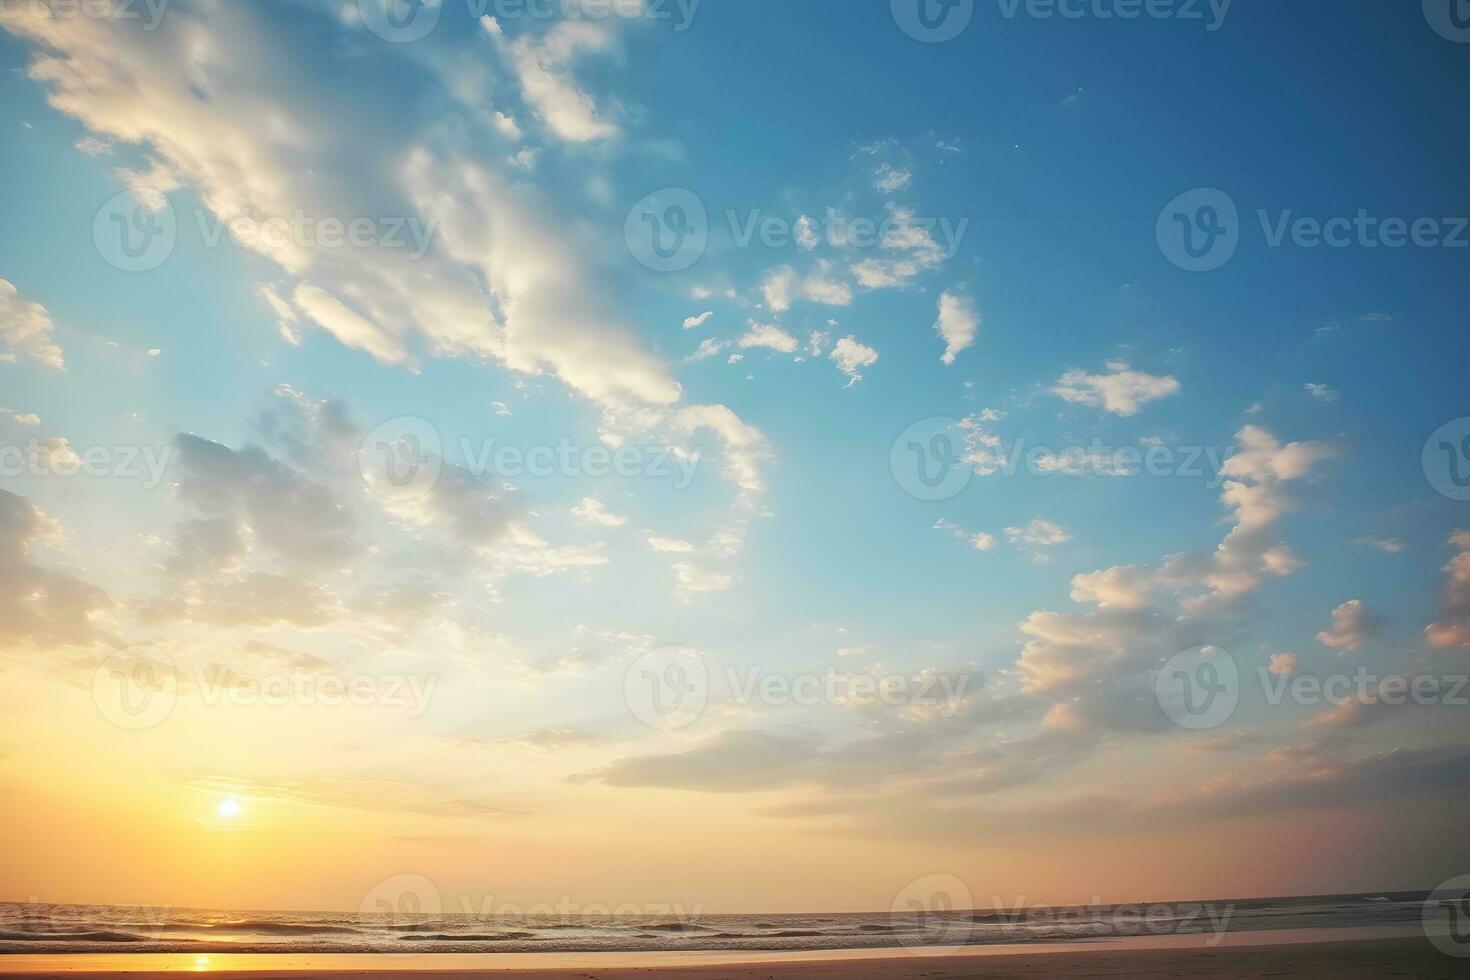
{"x": 1308, "y": 953}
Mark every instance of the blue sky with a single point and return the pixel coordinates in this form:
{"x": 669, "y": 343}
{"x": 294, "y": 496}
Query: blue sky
{"x": 522, "y": 147}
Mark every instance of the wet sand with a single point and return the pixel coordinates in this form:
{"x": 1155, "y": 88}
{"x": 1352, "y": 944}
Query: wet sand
{"x": 1369, "y": 960}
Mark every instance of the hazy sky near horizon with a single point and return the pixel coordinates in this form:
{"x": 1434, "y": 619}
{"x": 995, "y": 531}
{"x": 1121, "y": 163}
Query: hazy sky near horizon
{"x": 749, "y": 456}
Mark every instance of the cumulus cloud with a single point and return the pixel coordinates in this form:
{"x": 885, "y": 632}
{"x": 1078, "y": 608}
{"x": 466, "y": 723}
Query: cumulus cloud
{"x": 593, "y": 511}
{"x": 768, "y": 335}
{"x": 40, "y": 607}
{"x": 543, "y": 66}
{"x": 690, "y": 578}
{"x": 1120, "y": 390}
{"x": 783, "y": 286}
{"x": 25, "y": 329}
{"x": 1451, "y": 629}
{"x": 1351, "y": 627}
{"x": 695, "y": 322}
{"x": 957, "y": 325}
{"x": 850, "y": 355}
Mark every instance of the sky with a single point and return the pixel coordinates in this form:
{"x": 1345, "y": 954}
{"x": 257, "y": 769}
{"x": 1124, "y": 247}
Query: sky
{"x": 754, "y": 456}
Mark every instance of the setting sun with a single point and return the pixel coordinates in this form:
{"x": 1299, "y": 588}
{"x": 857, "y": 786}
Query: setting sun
{"x": 228, "y": 809}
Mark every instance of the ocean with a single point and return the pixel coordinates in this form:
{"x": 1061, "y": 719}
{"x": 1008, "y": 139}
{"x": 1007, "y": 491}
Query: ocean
{"x": 39, "y": 928}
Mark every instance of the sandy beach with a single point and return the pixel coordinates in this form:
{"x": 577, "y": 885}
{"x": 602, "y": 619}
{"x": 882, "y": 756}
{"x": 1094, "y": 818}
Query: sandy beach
{"x": 1370, "y": 960}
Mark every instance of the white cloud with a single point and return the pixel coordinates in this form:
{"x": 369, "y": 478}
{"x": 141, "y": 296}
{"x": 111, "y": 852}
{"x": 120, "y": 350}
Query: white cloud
{"x": 807, "y": 237}
{"x": 1351, "y": 627}
{"x": 889, "y": 179}
{"x": 1282, "y": 664}
{"x": 543, "y": 68}
{"x": 957, "y": 325}
{"x": 1320, "y": 392}
{"x": 695, "y": 322}
{"x": 350, "y": 328}
{"x": 768, "y": 335}
{"x": 1451, "y": 628}
{"x": 691, "y": 578}
{"x": 670, "y": 545}
{"x": 782, "y": 286}
{"x": 851, "y": 356}
{"x": 25, "y": 328}
{"x": 592, "y": 511}
{"x": 1121, "y": 390}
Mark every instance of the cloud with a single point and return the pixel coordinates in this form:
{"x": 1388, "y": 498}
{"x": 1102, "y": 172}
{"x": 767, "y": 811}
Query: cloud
{"x": 850, "y": 356}
{"x": 695, "y": 322}
{"x": 1121, "y": 390}
{"x": 350, "y": 328}
{"x": 592, "y": 511}
{"x": 690, "y": 578}
{"x": 1451, "y": 628}
{"x": 1282, "y": 664}
{"x": 783, "y": 286}
{"x": 957, "y": 325}
{"x": 1034, "y": 538}
{"x": 39, "y": 607}
{"x": 1351, "y": 627}
{"x": 670, "y": 545}
{"x": 767, "y": 335}
{"x": 889, "y": 179}
{"x": 730, "y": 762}
{"x": 1322, "y": 393}
{"x": 543, "y": 68}
{"x": 25, "y": 329}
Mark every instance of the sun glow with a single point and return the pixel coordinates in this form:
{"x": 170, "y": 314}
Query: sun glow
{"x": 228, "y": 809}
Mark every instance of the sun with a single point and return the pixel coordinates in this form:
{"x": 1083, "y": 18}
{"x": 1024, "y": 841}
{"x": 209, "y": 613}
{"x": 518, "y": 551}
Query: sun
{"x": 228, "y": 809}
